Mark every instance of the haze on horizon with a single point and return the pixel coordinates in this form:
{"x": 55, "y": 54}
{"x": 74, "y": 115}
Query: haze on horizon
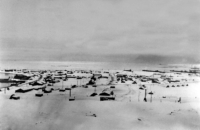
{"x": 100, "y": 30}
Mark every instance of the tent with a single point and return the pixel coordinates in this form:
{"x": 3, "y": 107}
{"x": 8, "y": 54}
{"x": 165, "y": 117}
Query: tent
{"x": 151, "y": 93}
{"x": 14, "y": 97}
{"x": 134, "y": 82}
{"x": 141, "y": 88}
{"x": 93, "y": 94}
{"x": 47, "y": 91}
{"x": 104, "y": 94}
{"x": 111, "y": 93}
{"x": 74, "y": 86}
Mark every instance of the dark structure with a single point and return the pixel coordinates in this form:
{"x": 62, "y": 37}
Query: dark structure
{"x": 106, "y": 98}
{"x": 134, "y": 82}
{"x": 104, "y": 94}
{"x": 38, "y": 94}
{"x": 21, "y": 77}
{"x": 23, "y": 91}
{"x": 93, "y": 94}
{"x": 14, "y": 97}
{"x": 71, "y": 99}
{"x": 112, "y": 86}
{"x": 62, "y": 90}
{"x": 47, "y": 91}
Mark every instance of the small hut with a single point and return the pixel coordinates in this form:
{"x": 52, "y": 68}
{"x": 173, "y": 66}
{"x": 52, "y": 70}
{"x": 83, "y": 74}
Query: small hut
{"x": 67, "y": 88}
{"x": 141, "y": 88}
{"x": 74, "y": 86}
{"x": 134, "y": 82}
{"x": 39, "y": 94}
{"x": 72, "y": 99}
{"x": 14, "y": 97}
{"x": 112, "y": 86}
{"x": 62, "y": 90}
{"x": 47, "y": 91}
{"x": 106, "y": 98}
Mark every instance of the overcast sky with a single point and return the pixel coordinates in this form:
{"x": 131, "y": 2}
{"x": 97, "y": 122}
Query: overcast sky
{"x": 56, "y": 28}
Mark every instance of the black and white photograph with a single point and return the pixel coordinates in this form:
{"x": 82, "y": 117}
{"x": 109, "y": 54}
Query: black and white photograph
{"x": 99, "y": 64}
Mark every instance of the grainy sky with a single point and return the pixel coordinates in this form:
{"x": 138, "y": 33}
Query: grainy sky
{"x": 56, "y": 28}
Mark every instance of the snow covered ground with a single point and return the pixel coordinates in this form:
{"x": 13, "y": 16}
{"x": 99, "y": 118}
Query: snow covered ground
{"x": 54, "y": 111}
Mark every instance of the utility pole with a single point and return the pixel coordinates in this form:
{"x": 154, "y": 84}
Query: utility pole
{"x": 62, "y": 84}
{"x": 145, "y": 96}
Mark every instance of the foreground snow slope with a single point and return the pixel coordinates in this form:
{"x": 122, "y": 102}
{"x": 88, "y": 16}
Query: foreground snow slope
{"x": 59, "y": 114}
